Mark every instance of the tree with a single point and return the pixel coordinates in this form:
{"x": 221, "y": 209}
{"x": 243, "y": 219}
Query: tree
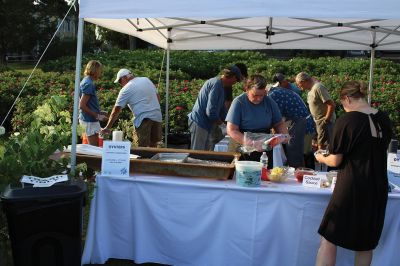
{"x": 113, "y": 38}
{"x": 25, "y": 24}
{"x": 17, "y": 26}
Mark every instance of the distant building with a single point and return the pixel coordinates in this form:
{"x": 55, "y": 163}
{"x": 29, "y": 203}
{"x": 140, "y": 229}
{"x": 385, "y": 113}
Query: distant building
{"x": 68, "y": 29}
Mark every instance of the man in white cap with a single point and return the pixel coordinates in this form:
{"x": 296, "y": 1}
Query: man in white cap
{"x": 140, "y": 94}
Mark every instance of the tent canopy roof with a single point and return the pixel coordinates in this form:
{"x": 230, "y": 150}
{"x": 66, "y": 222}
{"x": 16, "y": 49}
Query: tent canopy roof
{"x": 255, "y": 24}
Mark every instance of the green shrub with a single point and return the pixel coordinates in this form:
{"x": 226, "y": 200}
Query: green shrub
{"x": 188, "y": 72}
{"x": 27, "y": 152}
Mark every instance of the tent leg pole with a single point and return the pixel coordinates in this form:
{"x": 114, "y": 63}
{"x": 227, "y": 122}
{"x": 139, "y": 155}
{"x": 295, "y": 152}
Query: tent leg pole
{"x": 371, "y": 68}
{"x": 167, "y": 95}
{"x": 78, "y": 64}
{"x": 371, "y": 75}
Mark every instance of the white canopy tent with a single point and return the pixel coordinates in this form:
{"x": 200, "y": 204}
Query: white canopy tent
{"x": 245, "y": 25}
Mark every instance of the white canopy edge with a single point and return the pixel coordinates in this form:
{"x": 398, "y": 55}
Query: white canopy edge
{"x": 260, "y": 33}
{"x": 252, "y": 24}
{"x": 122, "y": 9}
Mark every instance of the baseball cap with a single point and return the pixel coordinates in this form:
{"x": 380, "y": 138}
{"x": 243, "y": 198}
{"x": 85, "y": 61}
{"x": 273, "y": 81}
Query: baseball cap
{"x": 122, "y": 73}
{"x": 279, "y": 77}
{"x": 235, "y": 71}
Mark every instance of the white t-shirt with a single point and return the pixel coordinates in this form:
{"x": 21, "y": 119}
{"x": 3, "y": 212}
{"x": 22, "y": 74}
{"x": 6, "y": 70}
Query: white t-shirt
{"x": 140, "y": 95}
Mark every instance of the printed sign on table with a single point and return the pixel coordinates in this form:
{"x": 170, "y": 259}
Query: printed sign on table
{"x": 393, "y": 168}
{"x": 115, "y": 159}
{"x": 313, "y": 181}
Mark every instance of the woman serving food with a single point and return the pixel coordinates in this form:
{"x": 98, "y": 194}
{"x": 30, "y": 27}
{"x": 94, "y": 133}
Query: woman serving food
{"x": 254, "y": 112}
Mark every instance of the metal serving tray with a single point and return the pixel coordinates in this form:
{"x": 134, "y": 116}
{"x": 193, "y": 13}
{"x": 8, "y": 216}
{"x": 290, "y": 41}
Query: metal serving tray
{"x": 171, "y": 157}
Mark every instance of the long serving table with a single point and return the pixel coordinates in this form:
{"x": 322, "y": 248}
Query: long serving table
{"x": 187, "y": 221}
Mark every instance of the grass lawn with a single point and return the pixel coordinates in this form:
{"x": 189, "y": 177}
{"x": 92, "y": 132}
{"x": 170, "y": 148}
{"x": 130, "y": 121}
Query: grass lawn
{"x": 24, "y": 67}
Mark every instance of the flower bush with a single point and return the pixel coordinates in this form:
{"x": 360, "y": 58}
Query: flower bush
{"x": 27, "y": 152}
{"x": 188, "y": 72}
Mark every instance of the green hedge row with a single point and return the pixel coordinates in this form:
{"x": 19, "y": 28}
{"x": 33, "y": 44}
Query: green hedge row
{"x": 188, "y": 71}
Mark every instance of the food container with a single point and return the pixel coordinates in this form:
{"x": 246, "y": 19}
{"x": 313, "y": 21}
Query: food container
{"x": 280, "y": 174}
{"x": 323, "y": 152}
{"x": 248, "y": 173}
{"x": 171, "y": 157}
{"x": 330, "y": 175}
{"x": 301, "y": 171}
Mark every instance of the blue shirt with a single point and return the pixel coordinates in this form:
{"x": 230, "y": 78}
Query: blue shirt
{"x": 209, "y": 106}
{"x": 253, "y": 117}
{"x": 290, "y": 103}
{"x": 87, "y": 87}
{"x": 310, "y": 126}
{"x": 294, "y": 88}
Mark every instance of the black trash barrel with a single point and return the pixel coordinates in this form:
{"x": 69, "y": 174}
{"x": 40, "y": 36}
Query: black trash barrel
{"x": 45, "y": 223}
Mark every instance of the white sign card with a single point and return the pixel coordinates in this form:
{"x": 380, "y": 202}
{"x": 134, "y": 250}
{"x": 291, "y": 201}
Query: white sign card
{"x": 313, "y": 181}
{"x": 393, "y": 168}
{"x": 115, "y": 159}
{"x": 43, "y": 182}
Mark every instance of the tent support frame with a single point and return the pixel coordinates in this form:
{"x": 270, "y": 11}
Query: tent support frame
{"x": 78, "y": 64}
{"x": 371, "y": 67}
{"x": 166, "y": 117}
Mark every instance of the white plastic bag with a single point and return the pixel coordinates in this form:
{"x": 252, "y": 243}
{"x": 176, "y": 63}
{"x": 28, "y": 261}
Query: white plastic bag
{"x": 262, "y": 141}
{"x": 279, "y": 157}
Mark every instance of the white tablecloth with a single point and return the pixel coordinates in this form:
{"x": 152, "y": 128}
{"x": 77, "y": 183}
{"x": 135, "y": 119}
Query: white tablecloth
{"x": 182, "y": 221}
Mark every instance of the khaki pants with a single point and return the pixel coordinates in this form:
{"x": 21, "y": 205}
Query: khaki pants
{"x": 148, "y": 133}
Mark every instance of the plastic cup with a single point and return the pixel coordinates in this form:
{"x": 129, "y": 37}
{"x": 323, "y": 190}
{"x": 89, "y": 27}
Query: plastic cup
{"x": 117, "y": 136}
{"x": 330, "y": 175}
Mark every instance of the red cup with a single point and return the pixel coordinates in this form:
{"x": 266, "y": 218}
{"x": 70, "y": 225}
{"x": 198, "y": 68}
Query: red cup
{"x": 100, "y": 141}
{"x": 301, "y": 171}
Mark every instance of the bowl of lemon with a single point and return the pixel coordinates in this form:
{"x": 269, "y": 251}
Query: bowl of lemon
{"x": 280, "y": 174}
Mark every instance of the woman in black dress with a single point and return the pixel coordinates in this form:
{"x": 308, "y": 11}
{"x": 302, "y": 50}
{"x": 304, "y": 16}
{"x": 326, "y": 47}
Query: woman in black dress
{"x": 355, "y": 214}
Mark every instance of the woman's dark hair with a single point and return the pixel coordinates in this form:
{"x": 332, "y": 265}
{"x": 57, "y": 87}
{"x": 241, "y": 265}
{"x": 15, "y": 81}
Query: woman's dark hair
{"x": 354, "y": 89}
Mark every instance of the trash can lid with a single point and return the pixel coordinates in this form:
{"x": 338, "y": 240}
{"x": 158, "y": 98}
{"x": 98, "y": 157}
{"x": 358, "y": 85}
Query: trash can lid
{"x": 71, "y": 188}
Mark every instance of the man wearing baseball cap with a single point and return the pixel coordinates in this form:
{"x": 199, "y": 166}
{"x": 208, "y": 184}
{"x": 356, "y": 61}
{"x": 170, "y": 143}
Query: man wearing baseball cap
{"x": 209, "y": 109}
{"x": 140, "y": 94}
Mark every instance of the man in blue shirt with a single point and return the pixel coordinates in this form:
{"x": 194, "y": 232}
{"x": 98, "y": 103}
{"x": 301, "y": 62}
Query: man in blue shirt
{"x": 209, "y": 108}
{"x": 295, "y": 112}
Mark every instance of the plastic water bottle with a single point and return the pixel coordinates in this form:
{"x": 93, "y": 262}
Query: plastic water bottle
{"x": 264, "y": 170}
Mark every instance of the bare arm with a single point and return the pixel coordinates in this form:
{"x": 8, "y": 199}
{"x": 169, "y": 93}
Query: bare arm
{"x": 280, "y": 128}
{"x": 113, "y": 117}
{"x": 234, "y": 133}
{"x": 330, "y": 109}
{"x": 332, "y": 160}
